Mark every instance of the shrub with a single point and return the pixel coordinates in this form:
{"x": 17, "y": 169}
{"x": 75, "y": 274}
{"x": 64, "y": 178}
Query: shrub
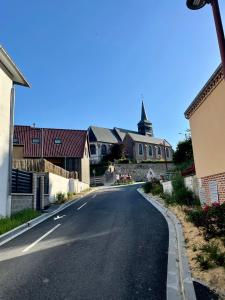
{"x": 204, "y": 262}
{"x": 147, "y": 186}
{"x": 211, "y": 218}
{"x": 181, "y": 194}
{"x": 60, "y": 197}
{"x": 70, "y": 195}
{"x": 169, "y": 200}
{"x": 157, "y": 189}
{"x": 123, "y": 161}
{"x": 214, "y": 253}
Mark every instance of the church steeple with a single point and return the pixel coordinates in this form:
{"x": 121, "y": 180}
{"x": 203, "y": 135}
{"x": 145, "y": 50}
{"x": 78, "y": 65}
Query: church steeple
{"x": 144, "y": 126}
{"x": 143, "y": 113}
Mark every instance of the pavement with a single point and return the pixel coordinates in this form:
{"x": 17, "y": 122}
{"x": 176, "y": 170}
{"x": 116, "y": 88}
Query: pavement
{"x": 112, "y": 244}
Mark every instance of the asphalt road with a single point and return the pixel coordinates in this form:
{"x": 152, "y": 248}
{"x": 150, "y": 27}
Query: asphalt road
{"x": 111, "y": 245}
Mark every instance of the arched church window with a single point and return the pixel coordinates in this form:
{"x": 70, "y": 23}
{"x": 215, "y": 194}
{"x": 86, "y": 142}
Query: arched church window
{"x": 104, "y": 150}
{"x": 159, "y": 150}
{"x": 140, "y": 149}
{"x": 167, "y": 153}
{"x": 93, "y": 149}
{"x": 150, "y": 152}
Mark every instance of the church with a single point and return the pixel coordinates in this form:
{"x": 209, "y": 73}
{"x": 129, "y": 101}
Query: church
{"x": 140, "y": 146}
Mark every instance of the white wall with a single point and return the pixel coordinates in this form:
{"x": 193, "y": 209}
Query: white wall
{"x": 191, "y": 182}
{"x": 5, "y": 92}
{"x": 59, "y": 184}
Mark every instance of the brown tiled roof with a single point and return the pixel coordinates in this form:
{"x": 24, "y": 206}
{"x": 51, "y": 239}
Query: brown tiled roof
{"x": 73, "y": 141}
{"x": 207, "y": 89}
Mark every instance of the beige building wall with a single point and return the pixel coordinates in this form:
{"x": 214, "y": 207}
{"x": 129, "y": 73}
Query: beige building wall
{"x": 208, "y": 133}
{"x": 5, "y": 96}
{"x": 85, "y": 166}
{"x": 18, "y": 152}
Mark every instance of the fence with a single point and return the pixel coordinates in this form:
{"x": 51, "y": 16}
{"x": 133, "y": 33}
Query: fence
{"x": 42, "y": 165}
{"x": 21, "y": 181}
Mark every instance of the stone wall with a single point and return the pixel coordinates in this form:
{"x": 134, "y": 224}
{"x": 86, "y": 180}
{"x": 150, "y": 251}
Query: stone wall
{"x": 139, "y": 172}
{"x": 20, "y": 202}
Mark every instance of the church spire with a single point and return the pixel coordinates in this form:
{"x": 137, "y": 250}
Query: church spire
{"x": 144, "y": 126}
{"x": 143, "y": 112}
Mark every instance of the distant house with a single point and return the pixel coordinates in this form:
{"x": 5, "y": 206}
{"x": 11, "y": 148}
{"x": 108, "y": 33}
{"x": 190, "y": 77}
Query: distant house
{"x": 135, "y": 142}
{"x": 206, "y": 115}
{"x": 65, "y": 148}
{"x": 9, "y": 76}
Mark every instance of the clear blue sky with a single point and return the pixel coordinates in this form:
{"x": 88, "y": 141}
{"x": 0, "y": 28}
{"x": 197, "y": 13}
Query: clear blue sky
{"x": 89, "y": 61}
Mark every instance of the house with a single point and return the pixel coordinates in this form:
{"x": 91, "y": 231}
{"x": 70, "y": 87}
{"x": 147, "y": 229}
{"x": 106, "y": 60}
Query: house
{"x": 206, "y": 115}
{"x": 9, "y": 77}
{"x": 102, "y": 139}
{"x": 65, "y": 148}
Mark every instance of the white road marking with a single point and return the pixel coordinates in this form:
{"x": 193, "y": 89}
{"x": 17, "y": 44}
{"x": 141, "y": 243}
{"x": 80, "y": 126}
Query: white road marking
{"x": 41, "y": 238}
{"x": 81, "y": 206}
{"x": 59, "y": 217}
{"x": 94, "y": 196}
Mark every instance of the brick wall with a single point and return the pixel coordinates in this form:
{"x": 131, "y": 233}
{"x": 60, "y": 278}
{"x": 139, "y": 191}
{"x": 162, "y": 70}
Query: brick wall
{"x": 220, "y": 180}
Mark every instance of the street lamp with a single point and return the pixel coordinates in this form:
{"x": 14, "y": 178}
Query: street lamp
{"x": 198, "y": 4}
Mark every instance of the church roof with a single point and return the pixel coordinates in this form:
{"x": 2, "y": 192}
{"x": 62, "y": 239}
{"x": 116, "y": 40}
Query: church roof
{"x": 104, "y": 135}
{"x": 122, "y": 132}
{"x": 147, "y": 139}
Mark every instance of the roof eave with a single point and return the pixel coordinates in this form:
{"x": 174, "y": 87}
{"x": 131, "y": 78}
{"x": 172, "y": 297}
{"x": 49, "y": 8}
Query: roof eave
{"x": 17, "y": 76}
{"x": 207, "y": 88}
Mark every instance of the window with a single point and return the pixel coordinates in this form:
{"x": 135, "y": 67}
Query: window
{"x": 35, "y": 141}
{"x": 159, "y": 151}
{"x": 150, "y": 152}
{"x": 104, "y": 150}
{"x": 167, "y": 153}
{"x": 93, "y": 149}
{"x": 58, "y": 141}
{"x": 15, "y": 141}
{"x": 140, "y": 149}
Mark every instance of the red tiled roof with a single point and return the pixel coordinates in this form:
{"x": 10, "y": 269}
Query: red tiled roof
{"x": 73, "y": 141}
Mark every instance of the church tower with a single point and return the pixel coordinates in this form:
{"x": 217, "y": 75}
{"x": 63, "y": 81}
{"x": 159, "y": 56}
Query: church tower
{"x": 144, "y": 126}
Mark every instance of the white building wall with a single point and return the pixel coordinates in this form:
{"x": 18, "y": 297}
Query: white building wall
{"x": 59, "y": 184}
{"x": 5, "y": 94}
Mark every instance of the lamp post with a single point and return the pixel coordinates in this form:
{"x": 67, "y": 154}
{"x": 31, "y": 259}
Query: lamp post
{"x": 198, "y": 4}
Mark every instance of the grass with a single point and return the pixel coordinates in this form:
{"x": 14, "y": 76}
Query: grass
{"x": 6, "y": 224}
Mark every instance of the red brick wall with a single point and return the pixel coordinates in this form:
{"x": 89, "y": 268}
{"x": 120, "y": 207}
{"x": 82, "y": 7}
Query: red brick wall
{"x": 220, "y": 179}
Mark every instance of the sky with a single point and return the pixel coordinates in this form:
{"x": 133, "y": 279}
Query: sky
{"x": 89, "y": 61}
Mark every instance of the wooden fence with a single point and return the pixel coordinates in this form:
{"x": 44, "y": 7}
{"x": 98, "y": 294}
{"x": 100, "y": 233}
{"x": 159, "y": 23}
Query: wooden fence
{"x": 43, "y": 166}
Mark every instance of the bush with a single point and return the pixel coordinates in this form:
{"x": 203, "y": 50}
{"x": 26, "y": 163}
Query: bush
{"x": 157, "y": 189}
{"x": 204, "y": 262}
{"x": 214, "y": 253}
{"x": 211, "y": 218}
{"x": 181, "y": 194}
{"x": 168, "y": 199}
{"x": 123, "y": 161}
{"x": 60, "y": 197}
{"x": 147, "y": 186}
{"x": 70, "y": 195}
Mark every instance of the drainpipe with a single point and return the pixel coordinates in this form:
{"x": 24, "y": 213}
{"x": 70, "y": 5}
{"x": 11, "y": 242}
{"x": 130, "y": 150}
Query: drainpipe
{"x": 11, "y": 131}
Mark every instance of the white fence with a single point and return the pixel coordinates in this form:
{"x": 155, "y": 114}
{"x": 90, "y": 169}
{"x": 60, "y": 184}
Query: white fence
{"x": 191, "y": 182}
{"x": 58, "y": 184}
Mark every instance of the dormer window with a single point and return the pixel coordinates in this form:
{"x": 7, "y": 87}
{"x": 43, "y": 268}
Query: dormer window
{"x": 36, "y": 141}
{"x": 58, "y": 141}
{"x": 15, "y": 141}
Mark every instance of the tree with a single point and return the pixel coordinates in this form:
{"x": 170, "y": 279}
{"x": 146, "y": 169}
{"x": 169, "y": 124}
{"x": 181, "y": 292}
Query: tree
{"x": 116, "y": 152}
{"x": 184, "y": 152}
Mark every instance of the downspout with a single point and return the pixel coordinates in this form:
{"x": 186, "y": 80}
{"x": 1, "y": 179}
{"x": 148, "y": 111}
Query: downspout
{"x": 11, "y": 132}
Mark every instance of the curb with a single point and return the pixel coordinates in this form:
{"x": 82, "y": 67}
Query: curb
{"x": 179, "y": 280}
{"x": 8, "y": 236}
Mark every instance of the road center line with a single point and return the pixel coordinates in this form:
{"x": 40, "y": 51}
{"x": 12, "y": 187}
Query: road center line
{"x": 41, "y": 238}
{"x": 81, "y": 206}
{"x": 94, "y": 196}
